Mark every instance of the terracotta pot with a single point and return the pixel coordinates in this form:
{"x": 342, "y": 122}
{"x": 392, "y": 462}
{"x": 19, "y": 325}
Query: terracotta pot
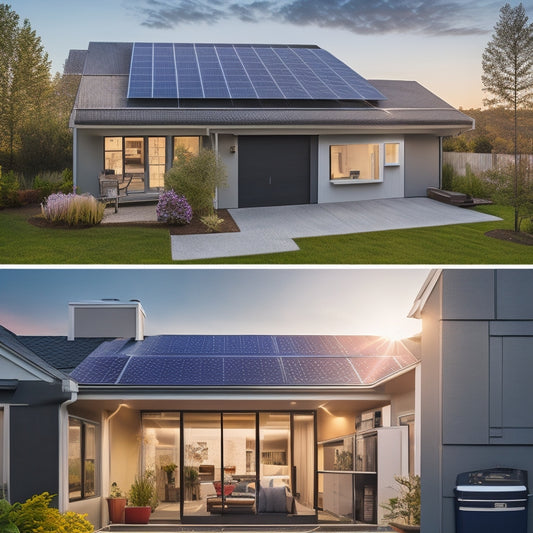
{"x": 137, "y": 515}
{"x": 116, "y": 507}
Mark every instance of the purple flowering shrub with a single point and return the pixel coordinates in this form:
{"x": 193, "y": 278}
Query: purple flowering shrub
{"x": 173, "y": 208}
{"x": 73, "y": 209}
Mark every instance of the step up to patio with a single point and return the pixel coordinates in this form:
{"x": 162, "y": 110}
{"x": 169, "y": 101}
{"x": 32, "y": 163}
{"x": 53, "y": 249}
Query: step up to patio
{"x": 450, "y": 197}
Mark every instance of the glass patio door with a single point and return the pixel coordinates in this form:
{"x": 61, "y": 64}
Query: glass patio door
{"x": 202, "y": 462}
{"x": 156, "y": 162}
{"x": 303, "y": 478}
{"x": 161, "y": 455}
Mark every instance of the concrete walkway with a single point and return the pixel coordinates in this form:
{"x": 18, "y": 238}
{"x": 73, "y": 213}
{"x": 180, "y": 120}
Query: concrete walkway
{"x": 272, "y": 229}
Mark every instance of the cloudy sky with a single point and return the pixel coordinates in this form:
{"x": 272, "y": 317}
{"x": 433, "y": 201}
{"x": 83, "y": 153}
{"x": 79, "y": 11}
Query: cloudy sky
{"x": 438, "y": 42}
{"x": 345, "y": 301}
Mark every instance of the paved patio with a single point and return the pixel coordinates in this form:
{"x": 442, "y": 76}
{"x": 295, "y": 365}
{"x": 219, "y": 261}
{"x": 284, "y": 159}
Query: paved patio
{"x": 273, "y": 229}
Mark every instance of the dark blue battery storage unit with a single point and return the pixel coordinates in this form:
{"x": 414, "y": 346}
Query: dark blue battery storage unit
{"x": 491, "y": 501}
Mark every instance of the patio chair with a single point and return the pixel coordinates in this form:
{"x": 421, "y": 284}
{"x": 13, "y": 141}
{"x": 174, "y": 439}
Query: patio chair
{"x": 109, "y": 188}
{"x": 112, "y": 184}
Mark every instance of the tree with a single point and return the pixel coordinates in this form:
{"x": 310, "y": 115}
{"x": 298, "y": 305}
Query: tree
{"x": 508, "y": 71}
{"x": 25, "y": 84}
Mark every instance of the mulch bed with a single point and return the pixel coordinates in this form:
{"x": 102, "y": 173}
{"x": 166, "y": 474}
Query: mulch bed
{"x": 511, "y": 236}
{"x": 196, "y": 227}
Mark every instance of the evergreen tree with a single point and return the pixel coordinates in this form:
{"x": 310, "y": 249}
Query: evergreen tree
{"x": 25, "y": 84}
{"x": 508, "y": 71}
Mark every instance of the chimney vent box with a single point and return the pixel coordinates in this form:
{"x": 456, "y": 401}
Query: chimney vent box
{"x": 106, "y": 318}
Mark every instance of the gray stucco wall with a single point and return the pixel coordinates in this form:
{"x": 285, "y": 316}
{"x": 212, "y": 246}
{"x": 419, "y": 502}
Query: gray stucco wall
{"x": 89, "y": 162}
{"x": 421, "y": 164}
{"x": 477, "y": 365}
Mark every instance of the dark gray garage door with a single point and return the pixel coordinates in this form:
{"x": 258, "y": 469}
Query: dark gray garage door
{"x": 274, "y": 170}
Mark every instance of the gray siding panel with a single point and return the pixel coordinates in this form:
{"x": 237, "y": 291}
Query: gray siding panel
{"x": 516, "y": 382}
{"x": 468, "y": 297}
{"x": 465, "y": 388}
{"x": 34, "y": 457}
{"x": 421, "y": 164}
{"x": 515, "y": 294}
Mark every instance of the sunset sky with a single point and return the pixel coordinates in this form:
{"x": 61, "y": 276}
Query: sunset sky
{"x": 342, "y": 301}
{"x": 438, "y": 43}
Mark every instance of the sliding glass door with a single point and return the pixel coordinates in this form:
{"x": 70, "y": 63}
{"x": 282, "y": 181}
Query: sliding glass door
{"x": 209, "y": 464}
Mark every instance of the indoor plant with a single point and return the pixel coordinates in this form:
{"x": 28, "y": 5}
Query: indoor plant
{"x": 404, "y": 509}
{"x": 142, "y": 499}
{"x": 116, "y": 503}
{"x": 191, "y": 479}
{"x": 169, "y": 470}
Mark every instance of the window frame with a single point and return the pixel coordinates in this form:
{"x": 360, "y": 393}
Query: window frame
{"x": 175, "y": 137}
{"x": 395, "y": 163}
{"x": 84, "y": 424}
{"x": 348, "y": 180}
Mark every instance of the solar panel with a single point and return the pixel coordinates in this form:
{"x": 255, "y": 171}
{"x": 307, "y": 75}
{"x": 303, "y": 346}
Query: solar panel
{"x": 141, "y": 80}
{"x": 253, "y": 371}
{"x": 189, "y": 81}
{"x": 319, "y": 371}
{"x": 102, "y": 370}
{"x": 164, "y": 85}
{"x": 242, "y": 72}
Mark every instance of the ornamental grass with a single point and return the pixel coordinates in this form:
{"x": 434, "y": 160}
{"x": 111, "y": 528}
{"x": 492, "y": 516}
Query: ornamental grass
{"x": 73, "y": 209}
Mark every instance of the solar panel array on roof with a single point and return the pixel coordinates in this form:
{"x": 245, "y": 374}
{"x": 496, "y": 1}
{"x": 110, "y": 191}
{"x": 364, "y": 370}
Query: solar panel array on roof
{"x": 226, "y": 71}
{"x": 244, "y": 360}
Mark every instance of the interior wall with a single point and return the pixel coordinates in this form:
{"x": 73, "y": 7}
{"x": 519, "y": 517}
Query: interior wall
{"x": 125, "y": 438}
{"x": 331, "y": 426}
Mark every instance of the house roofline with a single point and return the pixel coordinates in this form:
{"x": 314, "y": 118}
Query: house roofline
{"x": 424, "y": 293}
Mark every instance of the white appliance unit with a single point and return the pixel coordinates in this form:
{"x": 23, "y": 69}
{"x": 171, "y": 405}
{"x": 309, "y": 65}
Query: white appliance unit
{"x": 380, "y": 454}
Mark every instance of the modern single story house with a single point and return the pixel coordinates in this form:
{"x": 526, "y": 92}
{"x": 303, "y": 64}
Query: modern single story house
{"x": 326, "y": 421}
{"x": 291, "y": 123}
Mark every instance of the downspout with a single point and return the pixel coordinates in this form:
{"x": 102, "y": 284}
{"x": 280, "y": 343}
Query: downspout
{"x": 75, "y": 159}
{"x": 216, "y": 153}
{"x": 440, "y": 162}
{"x": 63, "y": 499}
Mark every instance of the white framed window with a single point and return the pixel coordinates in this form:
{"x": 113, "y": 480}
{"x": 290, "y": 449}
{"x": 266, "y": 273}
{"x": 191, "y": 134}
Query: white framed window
{"x": 392, "y": 154}
{"x": 355, "y": 163}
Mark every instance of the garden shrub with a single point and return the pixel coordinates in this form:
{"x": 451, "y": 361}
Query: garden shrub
{"x": 48, "y": 183}
{"x": 36, "y": 516}
{"x": 448, "y": 175}
{"x": 212, "y": 222}
{"x": 29, "y": 197}
{"x": 73, "y": 209}
{"x": 173, "y": 208}
{"x": 475, "y": 186}
{"x": 9, "y": 187}
{"x": 197, "y": 177}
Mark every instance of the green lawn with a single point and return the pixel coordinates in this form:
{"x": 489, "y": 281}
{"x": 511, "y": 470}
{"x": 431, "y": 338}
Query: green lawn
{"x": 22, "y": 243}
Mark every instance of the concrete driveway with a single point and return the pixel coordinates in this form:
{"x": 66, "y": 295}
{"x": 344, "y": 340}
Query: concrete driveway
{"x": 272, "y": 229}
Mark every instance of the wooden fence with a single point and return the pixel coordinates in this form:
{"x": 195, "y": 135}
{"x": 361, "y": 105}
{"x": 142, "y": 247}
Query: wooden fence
{"x": 481, "y": 162}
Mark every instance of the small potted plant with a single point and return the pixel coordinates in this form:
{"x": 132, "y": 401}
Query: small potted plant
{"x": 169, "y": 471}
{"x": 191, "y": 479}
{"x": 116, "y": 502}
{"x": 404, "y": 509}
{"x": 142, "y": 499}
